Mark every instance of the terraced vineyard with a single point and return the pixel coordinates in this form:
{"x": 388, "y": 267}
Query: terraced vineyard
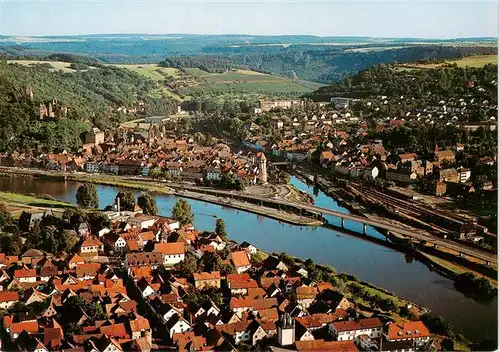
{"x": 53, "y": 65}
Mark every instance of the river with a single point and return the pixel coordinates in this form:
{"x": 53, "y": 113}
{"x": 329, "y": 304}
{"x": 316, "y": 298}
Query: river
{"x": 370, "y": 262}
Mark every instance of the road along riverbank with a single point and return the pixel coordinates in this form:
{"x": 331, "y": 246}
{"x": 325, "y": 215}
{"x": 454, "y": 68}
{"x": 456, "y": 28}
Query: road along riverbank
{"x": 199, "y": 193}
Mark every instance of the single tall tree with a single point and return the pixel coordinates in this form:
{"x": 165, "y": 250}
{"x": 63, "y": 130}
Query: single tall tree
{"x": 127, "y": 200}
{"x": 182, "y": 212}
{"x": 147, "y": 204}
{"x": 98, "y": 221}
{"x": 86, "y": 196}
{"x": 74, "y": 217}
{"x": 220, "y": 228}
{"x": 5, "y": 217}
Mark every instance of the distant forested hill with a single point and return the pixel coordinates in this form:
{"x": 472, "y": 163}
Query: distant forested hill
{"x": 319, "y": 59}
{"x": 329, "y": 64}
{"x": 91, "y": 97}
{"x": 392, "y": 81}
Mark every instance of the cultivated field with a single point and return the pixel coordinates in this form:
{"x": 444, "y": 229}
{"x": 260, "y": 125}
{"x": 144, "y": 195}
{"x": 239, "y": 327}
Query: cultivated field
{"x": 476, "y": 61}
{"x": 470, "y": 61}
{"x": 56, "y": 65}
{"x": 248, "y": 82}
{"x": 152, "y": 71}
{"x": 194, "y": 80}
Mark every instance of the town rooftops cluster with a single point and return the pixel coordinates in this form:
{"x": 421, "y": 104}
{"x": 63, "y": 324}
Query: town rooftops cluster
{"x": 80, "y": 303}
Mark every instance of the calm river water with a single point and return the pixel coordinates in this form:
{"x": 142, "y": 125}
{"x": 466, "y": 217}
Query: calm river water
{"x": 370, "y": 262}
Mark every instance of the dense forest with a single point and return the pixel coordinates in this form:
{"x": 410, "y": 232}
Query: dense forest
{"x": 326, "y": 64}
{"x": 91, "y": 97}
{"x": 323, "y": 64}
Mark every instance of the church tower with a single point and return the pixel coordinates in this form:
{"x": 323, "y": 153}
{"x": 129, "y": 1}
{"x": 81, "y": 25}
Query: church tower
{"x": 151, "y": 135}
{"x": 262, "y": 168}
{"x": 286, "y": 330}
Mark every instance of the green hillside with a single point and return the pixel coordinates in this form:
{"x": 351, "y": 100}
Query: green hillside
{"x": 91, "y": 97}
{"x": 247, "y": 81}
{"x": 181, "y": 83}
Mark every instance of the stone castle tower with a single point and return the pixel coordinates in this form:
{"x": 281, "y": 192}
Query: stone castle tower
{"x": 43, "y": 111}
{"x": 286, "y": 330}
{"x": 262, "y": 167}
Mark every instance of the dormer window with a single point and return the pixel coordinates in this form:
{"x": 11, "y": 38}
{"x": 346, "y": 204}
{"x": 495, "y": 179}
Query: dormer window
{"x": 408, "y": 332}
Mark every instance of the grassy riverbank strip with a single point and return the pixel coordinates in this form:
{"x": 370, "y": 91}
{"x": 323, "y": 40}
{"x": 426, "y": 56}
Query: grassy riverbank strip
{"x": 17, "y": 203}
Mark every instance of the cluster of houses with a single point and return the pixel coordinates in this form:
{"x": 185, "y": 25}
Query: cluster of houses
{"x": 142, "y": 155}
{"x": 146, "y": 300}
{"x": 36, "y": 296}
{"x": 351, "y": 154}
{"x": 265, "y": 300}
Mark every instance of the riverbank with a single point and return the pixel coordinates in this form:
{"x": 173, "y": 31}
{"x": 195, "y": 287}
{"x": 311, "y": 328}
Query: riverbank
{"x": 179, "y": 190}
{"x": 370, "y": 262}
{"x": 244, "y": 203}
{"x": 17, "y": 203}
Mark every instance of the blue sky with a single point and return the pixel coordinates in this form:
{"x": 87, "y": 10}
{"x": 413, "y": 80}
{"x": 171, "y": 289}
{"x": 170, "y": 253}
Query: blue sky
{"x": 410, "y": 18}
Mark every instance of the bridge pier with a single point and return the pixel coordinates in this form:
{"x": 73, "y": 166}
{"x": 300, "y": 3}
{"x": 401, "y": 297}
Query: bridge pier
{"x": 364, "y": 229}
{"x": 487, "y": 262}
{"x": 342, "y": 222}
{"x": 461, "y": 255}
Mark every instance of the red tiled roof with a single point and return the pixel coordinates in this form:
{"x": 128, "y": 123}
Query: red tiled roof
{"x": 241, "y": 302}
{"x": 28, "y": 326}
{"x": 322, "y": 345}
{"x": 413, "y": 329}
{"x": 305, "y": 292}
{"x": 22, "y": 273}
{"x": 324, "y": 285}
{"x": 8, "y": 296}
{"x": 170, "y": 248}
{"x": 256, "y": 292}
{"x": 76, "y": 259}
{"x": 266, "y": 282}
{"x": 139, "y": 324}
{"x": 214, "y": 275}
{"x": 244, "y": 284}
{"x": 347, "y": 325}
{"x": 321, "y": 319}
{"x": 231, "y": 329}
{"x": 91, "y": 242}
{"x": 89, "y": 269}
{"x": 182, "y": 340}
{"x": 370, "y": 323}
{"x": 115, "y": 330}
{"x": 240, "y": 259}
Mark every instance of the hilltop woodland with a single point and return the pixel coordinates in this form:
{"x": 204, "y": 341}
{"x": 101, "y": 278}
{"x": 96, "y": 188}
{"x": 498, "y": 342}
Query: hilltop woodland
{"x": 420, "y": 85}
{"x": 91, "y": 97}
{"x": 324, "y": 64}
{"x": 296, "y": 58}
